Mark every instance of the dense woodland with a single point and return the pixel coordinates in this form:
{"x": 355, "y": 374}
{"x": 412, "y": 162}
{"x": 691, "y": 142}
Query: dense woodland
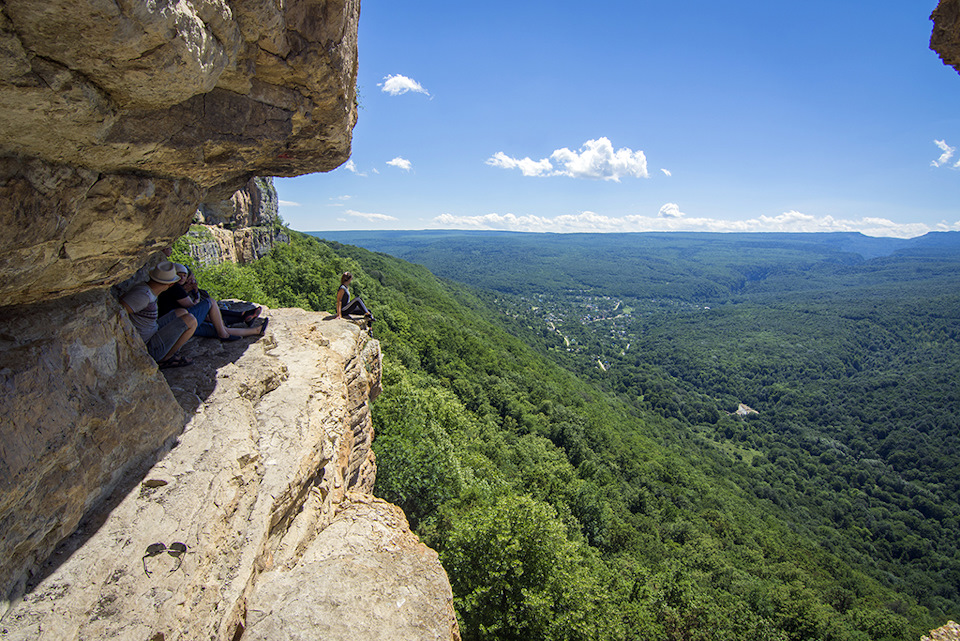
{"x": 561, "y": 429}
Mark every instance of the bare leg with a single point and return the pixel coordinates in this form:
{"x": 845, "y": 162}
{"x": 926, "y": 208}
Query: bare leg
{"x": 243, "y": 331}
{"x": 191, "y": 324}
{"x": 216, "y": 318}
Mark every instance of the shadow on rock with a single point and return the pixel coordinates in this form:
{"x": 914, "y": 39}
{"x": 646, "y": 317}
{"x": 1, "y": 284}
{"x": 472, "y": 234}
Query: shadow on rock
{"x": 193, "y": 384}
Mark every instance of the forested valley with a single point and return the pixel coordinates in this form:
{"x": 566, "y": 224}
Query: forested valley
{"x": 562, "y": 425}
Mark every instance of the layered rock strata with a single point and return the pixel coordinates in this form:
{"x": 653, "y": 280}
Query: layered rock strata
{"x": 269, "y": 489}
{"x": 118, "y": 119}
{"x": 215, "y": 245}
{"x": 240, "y": 229}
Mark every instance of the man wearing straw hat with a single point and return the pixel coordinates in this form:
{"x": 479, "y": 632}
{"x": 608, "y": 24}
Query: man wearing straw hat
{"x": 168, "y": 333}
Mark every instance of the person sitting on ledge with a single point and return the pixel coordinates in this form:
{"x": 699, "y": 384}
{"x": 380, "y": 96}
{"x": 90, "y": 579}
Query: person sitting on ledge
{"x": 185, "y": 294}
{"x": 250, "y": 311}
{"x": 345, "y": 306}
{"x": 162, "y": 334}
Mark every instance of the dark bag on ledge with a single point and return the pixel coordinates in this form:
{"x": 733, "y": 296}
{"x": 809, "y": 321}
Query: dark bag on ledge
{"x": 238, "y": 311}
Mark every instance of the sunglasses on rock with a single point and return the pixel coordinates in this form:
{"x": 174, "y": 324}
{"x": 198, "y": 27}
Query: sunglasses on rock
{"x": 176, "y": 550}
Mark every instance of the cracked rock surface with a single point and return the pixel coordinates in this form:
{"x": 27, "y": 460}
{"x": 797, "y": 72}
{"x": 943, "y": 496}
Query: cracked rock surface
{"x": 259, "y": 521}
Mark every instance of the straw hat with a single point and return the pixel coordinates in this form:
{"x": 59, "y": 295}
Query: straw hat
{"x": 164, "y": 273}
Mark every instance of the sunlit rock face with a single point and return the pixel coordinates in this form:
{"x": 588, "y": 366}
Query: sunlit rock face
{"x": 945, "y": 39}
{"x": 239, "y": 229}
{"x": 117, "y": 120}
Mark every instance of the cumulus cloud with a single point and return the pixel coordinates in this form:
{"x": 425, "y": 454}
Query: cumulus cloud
{"x": 397, "y": 85}
{"x": 670, "y": 218}
{"x": 370, "y": 217}
{"x": 945, "y": 156}
{"x": 401, "y": 163}
{"x": 670, "y": 210}
{"x": 596, "y": 160}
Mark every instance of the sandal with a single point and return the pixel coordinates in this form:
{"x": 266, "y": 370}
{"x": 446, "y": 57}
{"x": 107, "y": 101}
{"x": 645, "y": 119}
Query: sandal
{"x": 263, "y": 328}
{"x": 175, "y": 361}
{"x": 249, "y": 317}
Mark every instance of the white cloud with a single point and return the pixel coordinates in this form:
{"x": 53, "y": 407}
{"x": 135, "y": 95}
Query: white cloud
{"x": 288, "y": 203}
{"x": 670, "y": 210}
{"x": 587, "y": 220}
{"x": 670, "y": 218}
{"x": 596, "y": 160}
{"x": 401, "y": 163}
{"x": 945, "y": 156}
{"x": 339, "y": 201}
{"x": 396, "y": 85}
{"x": 352, "y": 167}
{"x": 371, "y": 217}
{"x": 527, "y": 166}
{"x": 666, "y": 172}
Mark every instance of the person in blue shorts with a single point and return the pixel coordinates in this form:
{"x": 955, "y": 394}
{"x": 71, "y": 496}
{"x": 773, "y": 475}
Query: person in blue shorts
{"x": 184, "y": 294}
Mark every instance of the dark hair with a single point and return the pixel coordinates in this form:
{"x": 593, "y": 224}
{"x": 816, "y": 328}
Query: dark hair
{"x": 345, "y": 277}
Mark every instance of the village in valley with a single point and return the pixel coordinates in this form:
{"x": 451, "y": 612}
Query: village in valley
{"x": 579, "y": 321}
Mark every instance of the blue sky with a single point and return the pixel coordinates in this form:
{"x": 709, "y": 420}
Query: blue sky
{"x": 645, "y": 116}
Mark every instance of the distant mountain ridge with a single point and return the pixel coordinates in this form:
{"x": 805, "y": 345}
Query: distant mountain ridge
{"x": 401, "y": 243}
{"x": 717, "y": 265}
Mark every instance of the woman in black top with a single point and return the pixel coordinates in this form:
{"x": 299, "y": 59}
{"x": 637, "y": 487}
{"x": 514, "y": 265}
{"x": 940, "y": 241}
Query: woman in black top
{"x": 345, "y": 306}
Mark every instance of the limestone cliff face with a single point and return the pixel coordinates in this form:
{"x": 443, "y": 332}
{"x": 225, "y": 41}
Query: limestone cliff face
{"x": 240, "y": 229}
{"x": 945, "y": 39}
{"x": 269, "y": 488}
{"x": 82, "y": 405}
{"x": 255, "y": 205}
{"x": 118, "y": 119}
{"x": 230, "y": 498}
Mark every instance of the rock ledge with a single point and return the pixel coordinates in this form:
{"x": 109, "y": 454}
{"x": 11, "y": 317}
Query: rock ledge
{"x": 269, "y": 488}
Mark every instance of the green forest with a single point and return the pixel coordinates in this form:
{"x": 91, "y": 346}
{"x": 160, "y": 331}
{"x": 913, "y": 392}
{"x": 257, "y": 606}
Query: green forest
{"x": 560, "y": 426}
